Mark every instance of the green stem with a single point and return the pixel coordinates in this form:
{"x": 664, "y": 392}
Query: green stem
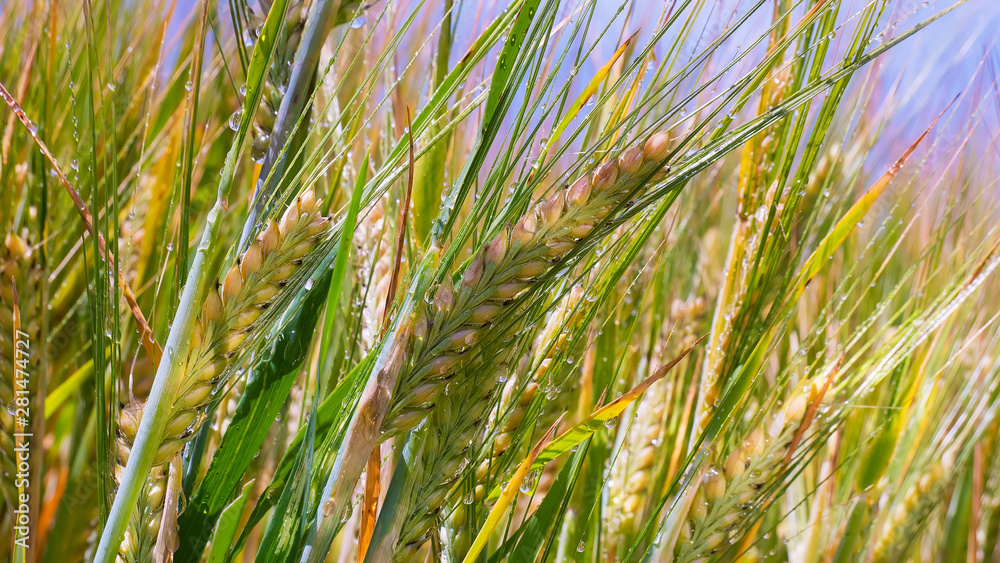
{"x": 170, "y": 368}
{"x": 157, "y": 408}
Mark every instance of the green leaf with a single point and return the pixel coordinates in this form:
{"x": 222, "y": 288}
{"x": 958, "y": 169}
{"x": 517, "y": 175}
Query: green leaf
{"x": 266, "y": 393}
{"x": 537, "y": 532}
{"x": 229, "y": 520}
{"x": 331, "y": 415}
{"x": 285, "y": 531}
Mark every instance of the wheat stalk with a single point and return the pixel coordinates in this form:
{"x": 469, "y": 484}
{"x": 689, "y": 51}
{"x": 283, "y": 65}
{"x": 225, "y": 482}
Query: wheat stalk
{"x": 228, "y": 316}
{"x": 279, "y": 75}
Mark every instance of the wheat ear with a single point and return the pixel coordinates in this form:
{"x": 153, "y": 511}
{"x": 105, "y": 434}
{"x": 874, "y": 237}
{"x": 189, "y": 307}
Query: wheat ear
{"x": 280, "y": 73}
{"x": 729, "y": 488}
{"x": 374, "y": 272}
{"x": 16, "y": 266}
{"x": 640, "y": 452}
{"x": 227, "y": 318}
{"x": 506, "y": 267}
{"x": 276, "y": 81}
{"x": 144, "y": 523}
{"x": 510, "y": 411}
{"x": 908, "y": 515}
{"x": 435, "y": 342}
{"x": 989, "y": 520}
{"x": 441, "y": 463}
{"x": 552, "y": 341}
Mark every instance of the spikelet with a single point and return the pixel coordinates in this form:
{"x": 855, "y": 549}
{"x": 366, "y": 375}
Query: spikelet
{"x": 506, "y": 267}
{"x": 227, "y": 318}
{"x": 729, "y": 487}
{"x": 908, "y": 514}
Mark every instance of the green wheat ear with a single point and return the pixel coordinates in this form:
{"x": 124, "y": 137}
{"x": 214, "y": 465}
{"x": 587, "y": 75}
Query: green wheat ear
{"x": 228, "y": 317}
{"x": 731, "y": 487}
{"x": 506, "y": 267}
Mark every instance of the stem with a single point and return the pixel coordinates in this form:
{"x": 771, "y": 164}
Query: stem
{"x": 157, "y": 409}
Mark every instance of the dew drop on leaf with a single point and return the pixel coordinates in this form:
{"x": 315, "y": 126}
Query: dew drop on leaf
{"x": 234, "y": 120}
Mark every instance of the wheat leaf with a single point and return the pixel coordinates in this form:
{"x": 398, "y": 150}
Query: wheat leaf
{"x": 229, "y": 520}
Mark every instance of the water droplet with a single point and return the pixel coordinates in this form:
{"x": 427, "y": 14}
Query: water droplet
{"x": 529, "y": 482}
{"x": 580, "y": 547}
{"x": 234, "y": 120}
{"x": 359, "y": 22}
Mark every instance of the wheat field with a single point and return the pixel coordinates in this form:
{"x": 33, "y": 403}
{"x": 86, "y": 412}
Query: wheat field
{"x": 510, "y": 280}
